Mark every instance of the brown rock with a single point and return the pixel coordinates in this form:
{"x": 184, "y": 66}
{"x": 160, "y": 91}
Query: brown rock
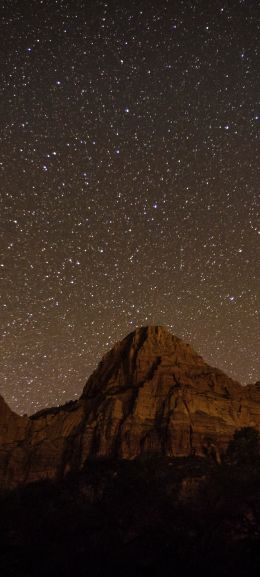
{"x": 154, "y": 393}
{"x": 13, "y": 433}
{"x": 151, "y": 394}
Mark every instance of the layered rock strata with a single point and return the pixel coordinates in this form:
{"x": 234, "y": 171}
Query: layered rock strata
{"x": 151, "y": 394}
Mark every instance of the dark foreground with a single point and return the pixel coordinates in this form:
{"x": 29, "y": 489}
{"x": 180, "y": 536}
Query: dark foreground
{"x": 150, "y": 517}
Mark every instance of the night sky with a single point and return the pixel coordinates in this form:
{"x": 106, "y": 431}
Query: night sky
{"x": 129, "y": 162}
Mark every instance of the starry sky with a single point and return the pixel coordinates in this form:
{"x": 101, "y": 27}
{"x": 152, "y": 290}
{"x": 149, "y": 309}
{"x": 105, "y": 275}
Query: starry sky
{"x": 129, "y": 187}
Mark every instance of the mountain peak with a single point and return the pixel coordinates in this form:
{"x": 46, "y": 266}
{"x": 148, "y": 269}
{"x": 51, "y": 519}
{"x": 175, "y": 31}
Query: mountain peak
{"x": 134, "y": 359}
{"x": 151, "y": 394}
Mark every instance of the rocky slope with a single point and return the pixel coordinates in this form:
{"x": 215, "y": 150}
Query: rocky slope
{"x": 151, "y": 394}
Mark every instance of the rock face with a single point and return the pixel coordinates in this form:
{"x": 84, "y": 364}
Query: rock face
{"x": 151, "y": 394}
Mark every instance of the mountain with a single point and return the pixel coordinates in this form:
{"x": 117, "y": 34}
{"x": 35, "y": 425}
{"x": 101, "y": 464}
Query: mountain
{"x": 152, "y": 394}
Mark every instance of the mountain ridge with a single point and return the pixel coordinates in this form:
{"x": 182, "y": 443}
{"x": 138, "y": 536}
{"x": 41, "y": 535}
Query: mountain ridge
{"x": 150, "y": 394}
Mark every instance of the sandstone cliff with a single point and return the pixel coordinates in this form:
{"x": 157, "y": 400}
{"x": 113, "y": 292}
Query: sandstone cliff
{"x": 151, "y": 394}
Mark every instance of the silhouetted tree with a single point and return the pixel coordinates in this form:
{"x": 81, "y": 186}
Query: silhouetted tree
{"x": 244, "y": 448}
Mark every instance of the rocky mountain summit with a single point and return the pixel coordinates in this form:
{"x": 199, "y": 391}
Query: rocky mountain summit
{"x": 152, "y": 394}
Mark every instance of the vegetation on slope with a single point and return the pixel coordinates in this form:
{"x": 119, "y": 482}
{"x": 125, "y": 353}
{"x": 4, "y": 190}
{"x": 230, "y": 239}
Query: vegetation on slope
{"x": 149, "y": 517}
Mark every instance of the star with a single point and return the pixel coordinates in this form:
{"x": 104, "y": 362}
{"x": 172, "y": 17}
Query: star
{"x": 129, "y": 187}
